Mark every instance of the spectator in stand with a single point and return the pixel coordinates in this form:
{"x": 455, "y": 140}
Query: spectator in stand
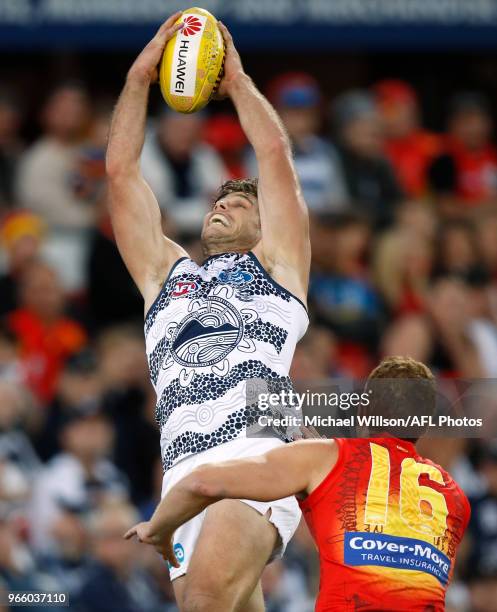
{"x": 458, "y": 249}
{"x": 79, "y": 387}
{"x": 18, "y": 571}
{"x": 403, "y": 261}
{"x": 408, "y": 335}
{"x": 463, "y": 177}
{"x": 455, "y": 352}
{"x": 482, "y": 329}
{"x": 46, "y": 336}
{"x": 224, "y": 133}
{"x": 88, "y": 177}
{"x": 486, "y": 232}
{"x": 10, "y": 365}
{"x": 79, "y": 479}
{"x": 483, "y": 591}
{"x": 483, "y": 523}
{"x": 417, "y": 218}
{"x": 48, "y": 181}
{"x": 340, "y": 292}
{"x": 371, "y": 186}
{"x": 297, "y": 98}
{"x": 408, "y": 146}
{"x": 11, "y": 147}
{"x": 47, "y": 167}
{"x": 153, "y": 565}
{"x": 402, "y": 267}
{"x": 122, "y": 359}
{"x": 112, "y": 295}
{"x": 455, "y": 333}
{"x": 116, "y": 581}
{"x": 285, "y": 589}
{"x": 21, "y": 235}
{"x": 182, "y": 170}
{"x": 126, "y": 395}
{"x": 19, "y": 464}
{"x": 315, "y": 356}
{"x": 443, "y": 335}
{"x": 69, "y": 560}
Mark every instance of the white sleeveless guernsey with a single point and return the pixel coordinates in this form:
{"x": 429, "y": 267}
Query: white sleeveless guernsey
{"x": 212, "y": 328}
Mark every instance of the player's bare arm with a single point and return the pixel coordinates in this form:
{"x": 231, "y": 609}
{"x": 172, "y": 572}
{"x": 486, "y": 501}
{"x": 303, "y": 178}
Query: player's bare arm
{"x": 293, "y": 469}
{"x": 285, "y": 247}
{"x": 134, "y": 210}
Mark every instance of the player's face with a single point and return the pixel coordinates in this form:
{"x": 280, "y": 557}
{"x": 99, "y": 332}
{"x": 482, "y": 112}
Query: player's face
{"x": 233, "y": 221}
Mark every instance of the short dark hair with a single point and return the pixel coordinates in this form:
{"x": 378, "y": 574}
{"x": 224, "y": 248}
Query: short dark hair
{"x": 402, "y": 386}
{"x": 248, "y": 186}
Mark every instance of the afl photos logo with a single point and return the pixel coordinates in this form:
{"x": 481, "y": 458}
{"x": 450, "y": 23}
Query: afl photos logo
{"x": 192, "y": 25}
{"x": 207, "y": 334}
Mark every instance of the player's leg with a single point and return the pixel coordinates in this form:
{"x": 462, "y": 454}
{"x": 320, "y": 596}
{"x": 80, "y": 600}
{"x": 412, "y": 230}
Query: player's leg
{"x": 255, "y": 602}
{"x": 232, "y": 549}
{"x": 179, "y": 589}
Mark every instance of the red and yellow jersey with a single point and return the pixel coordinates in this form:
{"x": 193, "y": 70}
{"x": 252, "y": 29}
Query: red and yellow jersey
{"x": 387, "y": 524}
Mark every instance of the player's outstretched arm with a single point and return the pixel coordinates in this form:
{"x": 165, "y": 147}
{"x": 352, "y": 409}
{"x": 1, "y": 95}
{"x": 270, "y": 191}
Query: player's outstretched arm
{"x": 288, "y": 470}
{"x": 285, "y": 246}
{"x": 134, "y": 210}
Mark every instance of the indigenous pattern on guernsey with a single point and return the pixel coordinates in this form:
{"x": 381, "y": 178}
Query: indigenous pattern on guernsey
{"x": 212, "y": 328}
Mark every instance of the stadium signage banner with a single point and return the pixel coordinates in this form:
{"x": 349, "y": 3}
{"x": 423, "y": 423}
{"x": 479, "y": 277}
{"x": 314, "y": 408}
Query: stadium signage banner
{"x": 256, "y": 23}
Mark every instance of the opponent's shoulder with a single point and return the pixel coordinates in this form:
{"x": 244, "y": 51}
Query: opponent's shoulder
{"x": 319, "y": 457}
{"x": 306, "y": 454}
{"x": 315, "y": 445}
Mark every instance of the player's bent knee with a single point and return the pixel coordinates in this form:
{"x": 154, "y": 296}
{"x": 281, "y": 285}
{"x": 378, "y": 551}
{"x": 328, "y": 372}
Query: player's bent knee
{"x": 206, "y": 592}
{"x": 212, "y": 593}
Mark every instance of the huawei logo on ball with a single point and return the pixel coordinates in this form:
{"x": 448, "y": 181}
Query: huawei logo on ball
{"x": 192, "y": 25}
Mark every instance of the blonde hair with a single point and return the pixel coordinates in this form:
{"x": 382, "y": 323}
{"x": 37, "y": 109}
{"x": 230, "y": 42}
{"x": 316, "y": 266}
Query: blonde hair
{"x": 401, "y": 387}
{"x": 401, "y": 367}
{"x": 389, "y": 264}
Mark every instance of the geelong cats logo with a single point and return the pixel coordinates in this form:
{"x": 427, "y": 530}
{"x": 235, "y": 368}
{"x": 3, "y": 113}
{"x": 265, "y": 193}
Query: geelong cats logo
{"x": 239, "y": 279}
{"x": 235, "y": 277}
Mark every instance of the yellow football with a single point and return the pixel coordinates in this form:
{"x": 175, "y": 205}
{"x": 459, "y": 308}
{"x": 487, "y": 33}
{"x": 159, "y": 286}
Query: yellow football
{"x": 192, "y": 63}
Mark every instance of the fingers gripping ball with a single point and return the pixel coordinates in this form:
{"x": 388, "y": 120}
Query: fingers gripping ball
{"x": 192, "y": 63}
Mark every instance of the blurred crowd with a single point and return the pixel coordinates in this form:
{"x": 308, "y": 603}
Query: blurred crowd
{"x": 404, "y": 238}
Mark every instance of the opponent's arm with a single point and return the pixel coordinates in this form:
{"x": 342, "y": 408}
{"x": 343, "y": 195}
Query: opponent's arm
{"x": 285, "y": 244}
{"x": 288, "y": 470}
{"x": 134, "y": 210}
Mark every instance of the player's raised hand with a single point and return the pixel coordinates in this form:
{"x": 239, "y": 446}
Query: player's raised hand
{"x": 144, "y": 68}
{"x": 233, "y": 67}
{"x": 162, "y": 542}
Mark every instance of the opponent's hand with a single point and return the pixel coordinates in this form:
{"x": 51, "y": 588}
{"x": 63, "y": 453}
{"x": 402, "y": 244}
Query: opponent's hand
{"x": 144, "y": 68}
{"x": 162, "y": 542}
{"x": 232, "y": 64}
